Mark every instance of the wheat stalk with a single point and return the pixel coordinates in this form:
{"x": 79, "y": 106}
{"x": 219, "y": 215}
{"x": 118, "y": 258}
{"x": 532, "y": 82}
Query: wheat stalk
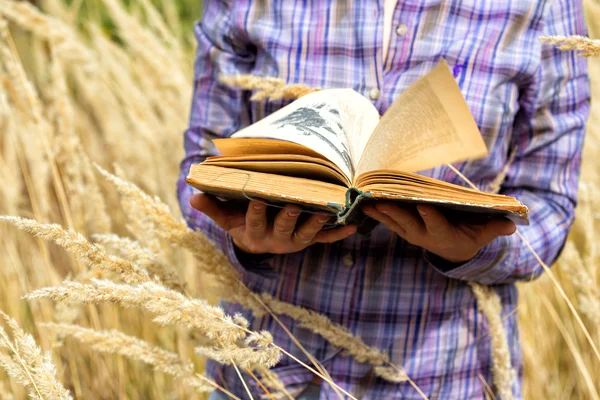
{"x": 26, "y": 363}
{"x": 587, "y": 47}
{"x": 132, "y": 250}
{"x": 271, "y": 379}
{"x": 241, "y": 379}
{"x": 95, "y": 214}
{"x": 170, "y": 307}
{"x": 173, "y": 230}
{"x": 115, "y": 342}
{"x": 215, "y": 263}
{"x": 86, "y": 200}
{"x": 10, "y": 174}
{"x": 245, "y": 357}
{"x": 146, "y": 46}
{"x": 488, "y": 302}
{"x": 336, "y": 334}
{"x": 30, "y": 18}
{"x": 589, "y": 294}
{"x": 90, "y": 254}
{"x": 140, "y": 225}
{"x": 267, "y": 87}
{"x": 25, "y": 100}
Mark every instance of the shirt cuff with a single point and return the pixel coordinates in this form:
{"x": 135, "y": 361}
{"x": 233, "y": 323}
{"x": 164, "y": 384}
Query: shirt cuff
{"x": 493, "y": 264}
{"x": 250, "y": 263}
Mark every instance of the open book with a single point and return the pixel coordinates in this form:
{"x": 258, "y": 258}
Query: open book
{"x": 331, "y": 151}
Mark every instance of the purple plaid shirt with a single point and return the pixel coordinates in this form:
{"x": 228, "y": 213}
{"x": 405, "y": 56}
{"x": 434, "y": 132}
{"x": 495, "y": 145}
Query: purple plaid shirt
{"x": 526, "y": 97}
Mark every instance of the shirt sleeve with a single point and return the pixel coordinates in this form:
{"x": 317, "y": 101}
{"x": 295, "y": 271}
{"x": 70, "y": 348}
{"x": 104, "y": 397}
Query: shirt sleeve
{"x": 217, "y": 111}
{"x": 548, "y": 139}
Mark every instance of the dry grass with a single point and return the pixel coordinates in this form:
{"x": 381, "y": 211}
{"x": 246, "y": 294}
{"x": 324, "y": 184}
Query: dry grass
{"x": 130, "y": 321}
{"x": 24, "y": 361}
{"x": 267, "y": 87}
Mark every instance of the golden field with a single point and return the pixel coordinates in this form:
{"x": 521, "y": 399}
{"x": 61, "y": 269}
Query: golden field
{"x": 99, "y": 86}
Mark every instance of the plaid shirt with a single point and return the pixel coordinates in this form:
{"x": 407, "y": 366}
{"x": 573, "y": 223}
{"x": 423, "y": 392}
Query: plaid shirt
{"x": 526, "y": 97}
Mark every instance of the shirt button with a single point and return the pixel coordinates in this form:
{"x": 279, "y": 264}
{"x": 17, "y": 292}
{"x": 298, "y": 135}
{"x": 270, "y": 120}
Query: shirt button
{"x": 401, "y": 30}
{"x": 347, "y": 260}
{"x": 374, "y": 94}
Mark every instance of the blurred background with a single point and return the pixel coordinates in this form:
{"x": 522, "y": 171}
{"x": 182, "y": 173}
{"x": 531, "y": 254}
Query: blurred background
{"x": 109, "y": 82}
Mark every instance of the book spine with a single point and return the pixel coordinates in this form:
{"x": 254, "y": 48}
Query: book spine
{"x": 352, "y": 213}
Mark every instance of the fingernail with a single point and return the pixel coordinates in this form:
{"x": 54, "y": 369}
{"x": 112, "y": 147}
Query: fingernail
{"x": 322, "y": 220}
{"x": 293, "y": 213}
{"x": 421, "y": 211}
{"x": 381, "y": 209}
{"x": 258, "y": 206}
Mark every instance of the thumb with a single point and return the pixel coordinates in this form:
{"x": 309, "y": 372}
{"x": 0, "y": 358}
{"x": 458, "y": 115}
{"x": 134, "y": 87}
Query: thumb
{"x": 204, "y": 203}
{"x": 212, "y": 208}
{"x": 437, "y": 225}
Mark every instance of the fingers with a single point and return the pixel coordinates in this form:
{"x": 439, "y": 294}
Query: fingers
{"x": 199, "y": 201}
{"x": 435, "y": 223}
{"x": 285, "y": 223}
{"x": 503, "y": 226}
{"x": 499, "y": 226}
{"x": 406, "y": 222}
{"x": 425, "y": 226}
{"x": 251, "y": 231}
{"x": 405, "y": 218}
{"x": 335, "y": 235}
{"x": 306, "y": 233}
{"x": 212, "y": 208}
{"x": 386, "y": 220}
{"x": 256, "y": 220}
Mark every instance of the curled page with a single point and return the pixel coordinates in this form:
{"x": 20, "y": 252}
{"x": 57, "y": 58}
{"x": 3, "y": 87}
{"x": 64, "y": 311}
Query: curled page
{"x": 324, "y": 121}
{"x": 428, "y": 125}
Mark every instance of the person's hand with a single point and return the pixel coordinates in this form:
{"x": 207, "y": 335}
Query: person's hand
{"x": 426, "y": 227}
{"x": 252, "y": 233}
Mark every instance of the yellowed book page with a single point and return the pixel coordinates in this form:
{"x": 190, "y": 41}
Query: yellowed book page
{"x": 442, "y": 194}
{"x": 240, "y": 184}
{"x": 515, "y": 211}
{"x": 323, "y": 121}
{"x": 251, "y": 146}
{"x": 276, "y": 157}
{"x": 401, "y": 177}
{"x": 399, "y": 181}
{"x": 428, "y": 125}
{"x": 271, "y": 150}
{"x": 301, "y": 169}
